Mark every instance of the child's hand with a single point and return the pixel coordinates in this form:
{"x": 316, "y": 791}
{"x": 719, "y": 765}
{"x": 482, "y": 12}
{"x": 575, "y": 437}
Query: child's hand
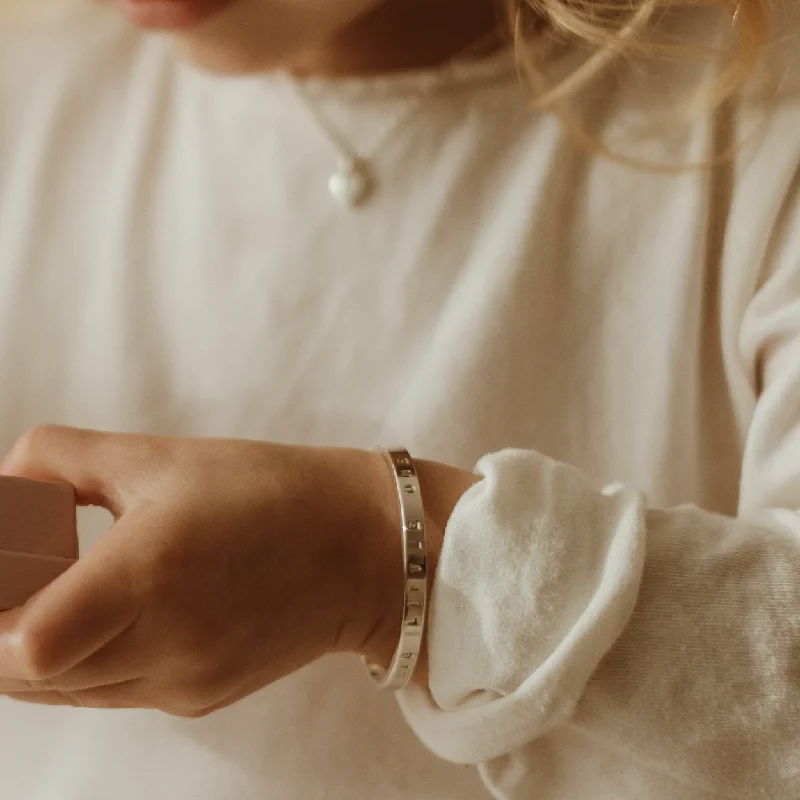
{"x": 231, "y": 564}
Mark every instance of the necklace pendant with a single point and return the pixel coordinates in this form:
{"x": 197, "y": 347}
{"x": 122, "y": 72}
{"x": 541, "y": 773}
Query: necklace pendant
{"x": 351, "y": 184}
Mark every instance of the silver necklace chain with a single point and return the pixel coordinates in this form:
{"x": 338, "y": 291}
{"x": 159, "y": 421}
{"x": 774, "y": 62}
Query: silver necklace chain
{"x": 353, "y": 181}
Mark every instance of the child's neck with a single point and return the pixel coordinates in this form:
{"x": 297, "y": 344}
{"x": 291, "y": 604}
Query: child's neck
{"x": 401, "y": 35}
{"x": 395, "y": 35}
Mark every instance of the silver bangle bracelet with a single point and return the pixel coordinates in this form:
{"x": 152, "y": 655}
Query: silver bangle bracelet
{"x": 415, "y": 565}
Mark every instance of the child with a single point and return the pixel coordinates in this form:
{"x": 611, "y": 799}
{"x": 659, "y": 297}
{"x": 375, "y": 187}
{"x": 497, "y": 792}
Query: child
{"x": 345, "y": 223}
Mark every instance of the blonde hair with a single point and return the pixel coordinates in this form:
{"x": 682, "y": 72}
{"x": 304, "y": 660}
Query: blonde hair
{"x": 612, "y": 31}
{"x": 616, "y": 29}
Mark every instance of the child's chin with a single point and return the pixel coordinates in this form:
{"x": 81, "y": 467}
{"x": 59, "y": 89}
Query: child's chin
{"x": 171, "y": 15}
{"x": 222, "y": 46}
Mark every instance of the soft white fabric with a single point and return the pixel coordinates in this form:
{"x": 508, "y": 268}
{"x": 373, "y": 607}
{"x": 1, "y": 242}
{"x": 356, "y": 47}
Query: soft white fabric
{"x": 170, "y": 262}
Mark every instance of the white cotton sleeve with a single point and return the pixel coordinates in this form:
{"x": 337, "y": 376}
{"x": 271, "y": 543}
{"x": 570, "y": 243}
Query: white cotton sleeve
{"x": 520, "y": 612}
{"x": 642, "y": 648}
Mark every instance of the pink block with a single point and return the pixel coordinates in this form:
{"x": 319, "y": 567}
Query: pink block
{"x": 38, "y": 536}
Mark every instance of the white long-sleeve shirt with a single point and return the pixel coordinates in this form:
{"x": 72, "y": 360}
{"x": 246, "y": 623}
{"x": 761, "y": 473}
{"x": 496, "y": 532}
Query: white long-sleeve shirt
{"x": 171, "y": 262}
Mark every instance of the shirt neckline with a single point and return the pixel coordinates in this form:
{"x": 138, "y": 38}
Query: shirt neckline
{"x": 453, "y": 76}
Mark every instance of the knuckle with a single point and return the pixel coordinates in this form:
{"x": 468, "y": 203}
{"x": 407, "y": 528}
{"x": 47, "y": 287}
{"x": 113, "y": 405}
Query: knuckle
{"x": 35, "y": 656}
{"x": 34, "y": 441}
{"x": 197, "y": 697}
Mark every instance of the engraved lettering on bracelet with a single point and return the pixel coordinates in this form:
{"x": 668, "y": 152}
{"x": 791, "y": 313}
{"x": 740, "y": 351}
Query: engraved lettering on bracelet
{"x": 415, "y": 558}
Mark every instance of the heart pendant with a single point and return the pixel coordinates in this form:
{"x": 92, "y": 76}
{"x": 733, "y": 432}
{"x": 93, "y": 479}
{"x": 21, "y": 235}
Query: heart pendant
{"x": 351, "y": 184}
